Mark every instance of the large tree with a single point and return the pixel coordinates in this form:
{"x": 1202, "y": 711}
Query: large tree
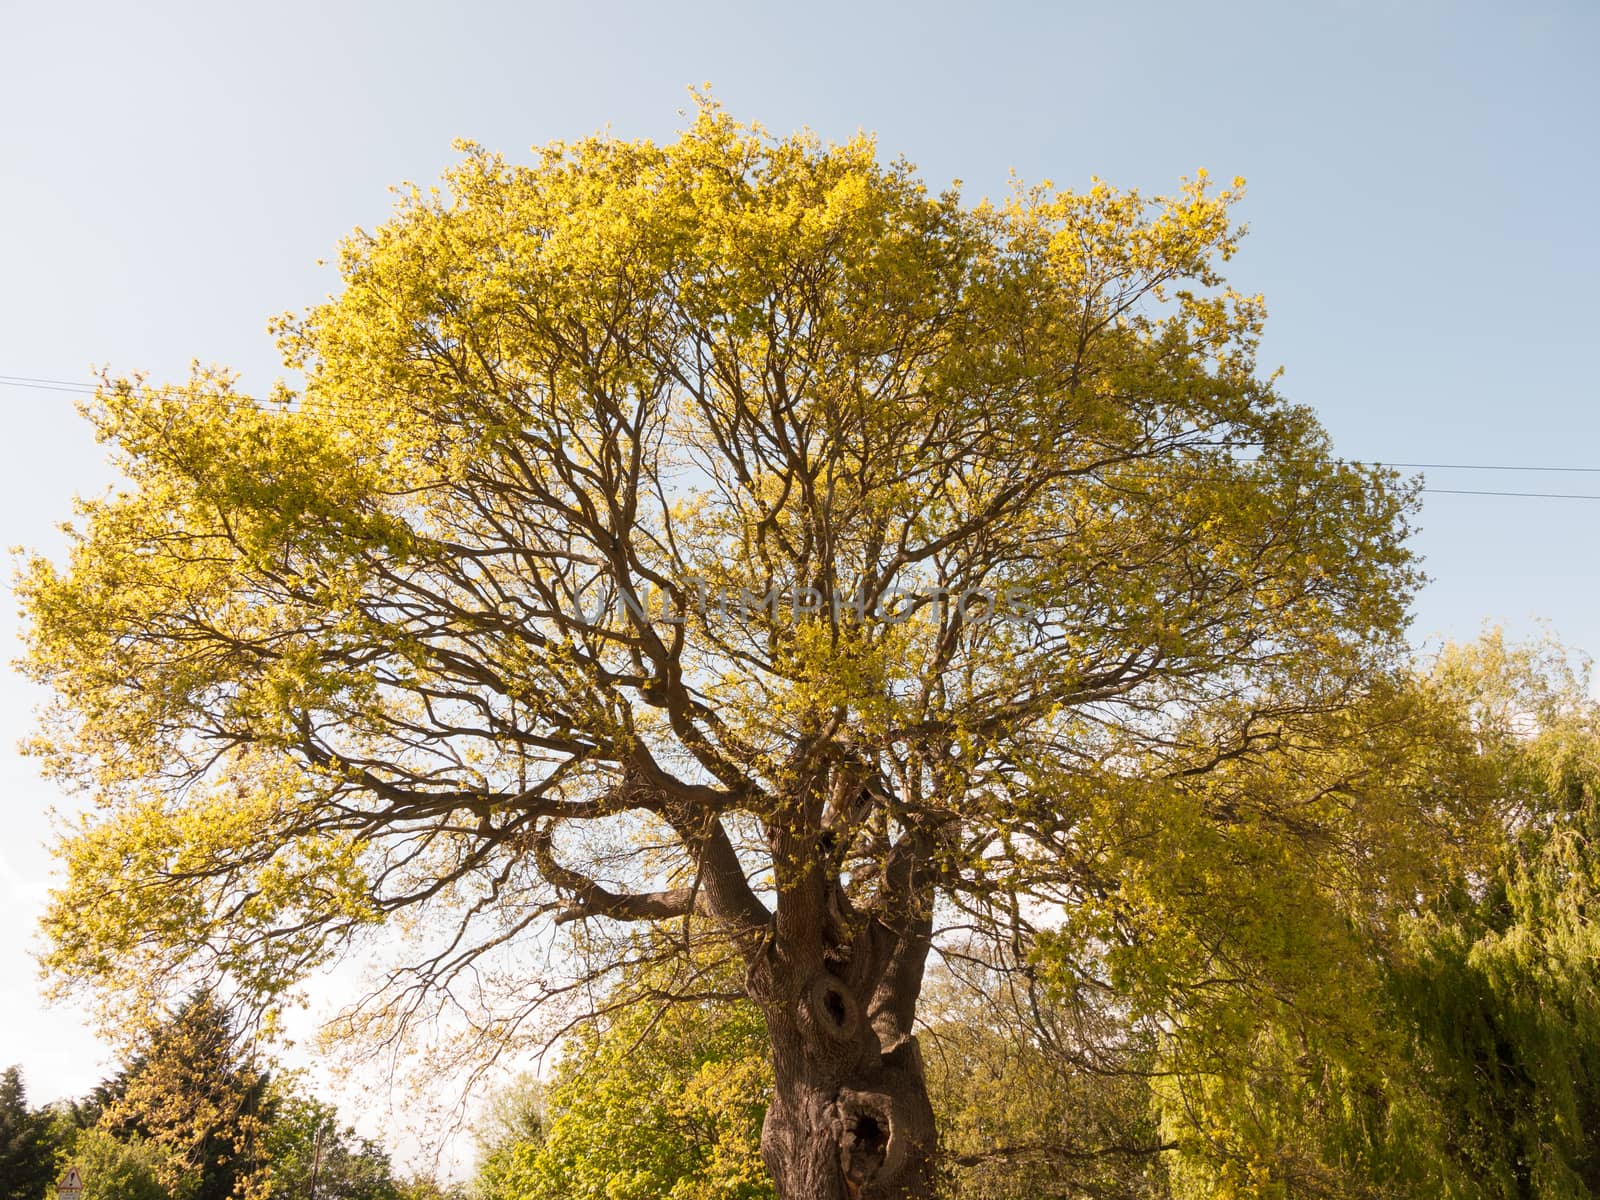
{"x": 728, "y": 533}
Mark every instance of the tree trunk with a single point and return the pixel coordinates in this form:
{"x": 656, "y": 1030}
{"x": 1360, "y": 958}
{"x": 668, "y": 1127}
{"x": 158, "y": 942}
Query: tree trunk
{"x": 847, "y": 1120}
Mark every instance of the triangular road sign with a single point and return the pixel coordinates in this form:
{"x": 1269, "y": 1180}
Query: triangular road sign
{"x": 71, "y": 1185}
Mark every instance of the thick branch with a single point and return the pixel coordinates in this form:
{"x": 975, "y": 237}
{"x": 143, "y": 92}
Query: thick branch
{"x": 591, "y": 899}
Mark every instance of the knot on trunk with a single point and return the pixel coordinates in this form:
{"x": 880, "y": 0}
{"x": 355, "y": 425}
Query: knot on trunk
{"x": 872, "y": 1141}
{"x": 832, "y": 1009}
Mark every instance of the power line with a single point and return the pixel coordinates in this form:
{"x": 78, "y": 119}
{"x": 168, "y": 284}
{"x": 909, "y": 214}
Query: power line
{"x": 64, "y": 385}
{"x": 1413, "y": 466}
{"x": 44, "y": 385}
{"x": 1528, "y": 495}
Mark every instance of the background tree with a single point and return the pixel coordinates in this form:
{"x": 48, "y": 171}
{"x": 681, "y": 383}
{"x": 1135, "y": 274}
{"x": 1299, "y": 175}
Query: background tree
{"x": 126, "y": 1168}
{"x": 989, "y": 505}
{"x": 1499, "y": 987}
{"x": 187, "y": 1118}
{"x": 193, "y": 1093}
{"x": 305, "y": 1143}
{"x": 512, "y": 1115}
{"x": 27, "y": 1142}
{"x": 649, "y": 1103}
{"x": 1382, "y": 1024}
{"x": 1039, "y": 1095}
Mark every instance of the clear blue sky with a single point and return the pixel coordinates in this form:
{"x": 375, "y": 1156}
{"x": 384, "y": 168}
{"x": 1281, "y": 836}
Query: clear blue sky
{"x": 1422, "y": 179}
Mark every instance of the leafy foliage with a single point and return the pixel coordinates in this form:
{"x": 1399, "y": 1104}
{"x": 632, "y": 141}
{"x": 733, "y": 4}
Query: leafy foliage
{"x": 1038, "y": 1097}
{"x": 305, "y": 1145}
{"x": 1500, "y": 979}
{"x": 126, "y": 1168}
{"x": 1433, "y": 1035}
{"x": 27, "y": 1142}
{"x": 653, "y": 1105}
{"x": 193, "y": 1093}
{"x": 309, "y": 641}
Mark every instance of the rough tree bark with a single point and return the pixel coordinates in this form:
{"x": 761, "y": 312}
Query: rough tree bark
{"x": 850, "y": 1117}
{"x": 848, "y": 1120}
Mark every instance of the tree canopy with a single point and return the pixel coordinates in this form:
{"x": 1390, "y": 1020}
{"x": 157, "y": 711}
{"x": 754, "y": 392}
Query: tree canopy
{"x": 730, "y": 533}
